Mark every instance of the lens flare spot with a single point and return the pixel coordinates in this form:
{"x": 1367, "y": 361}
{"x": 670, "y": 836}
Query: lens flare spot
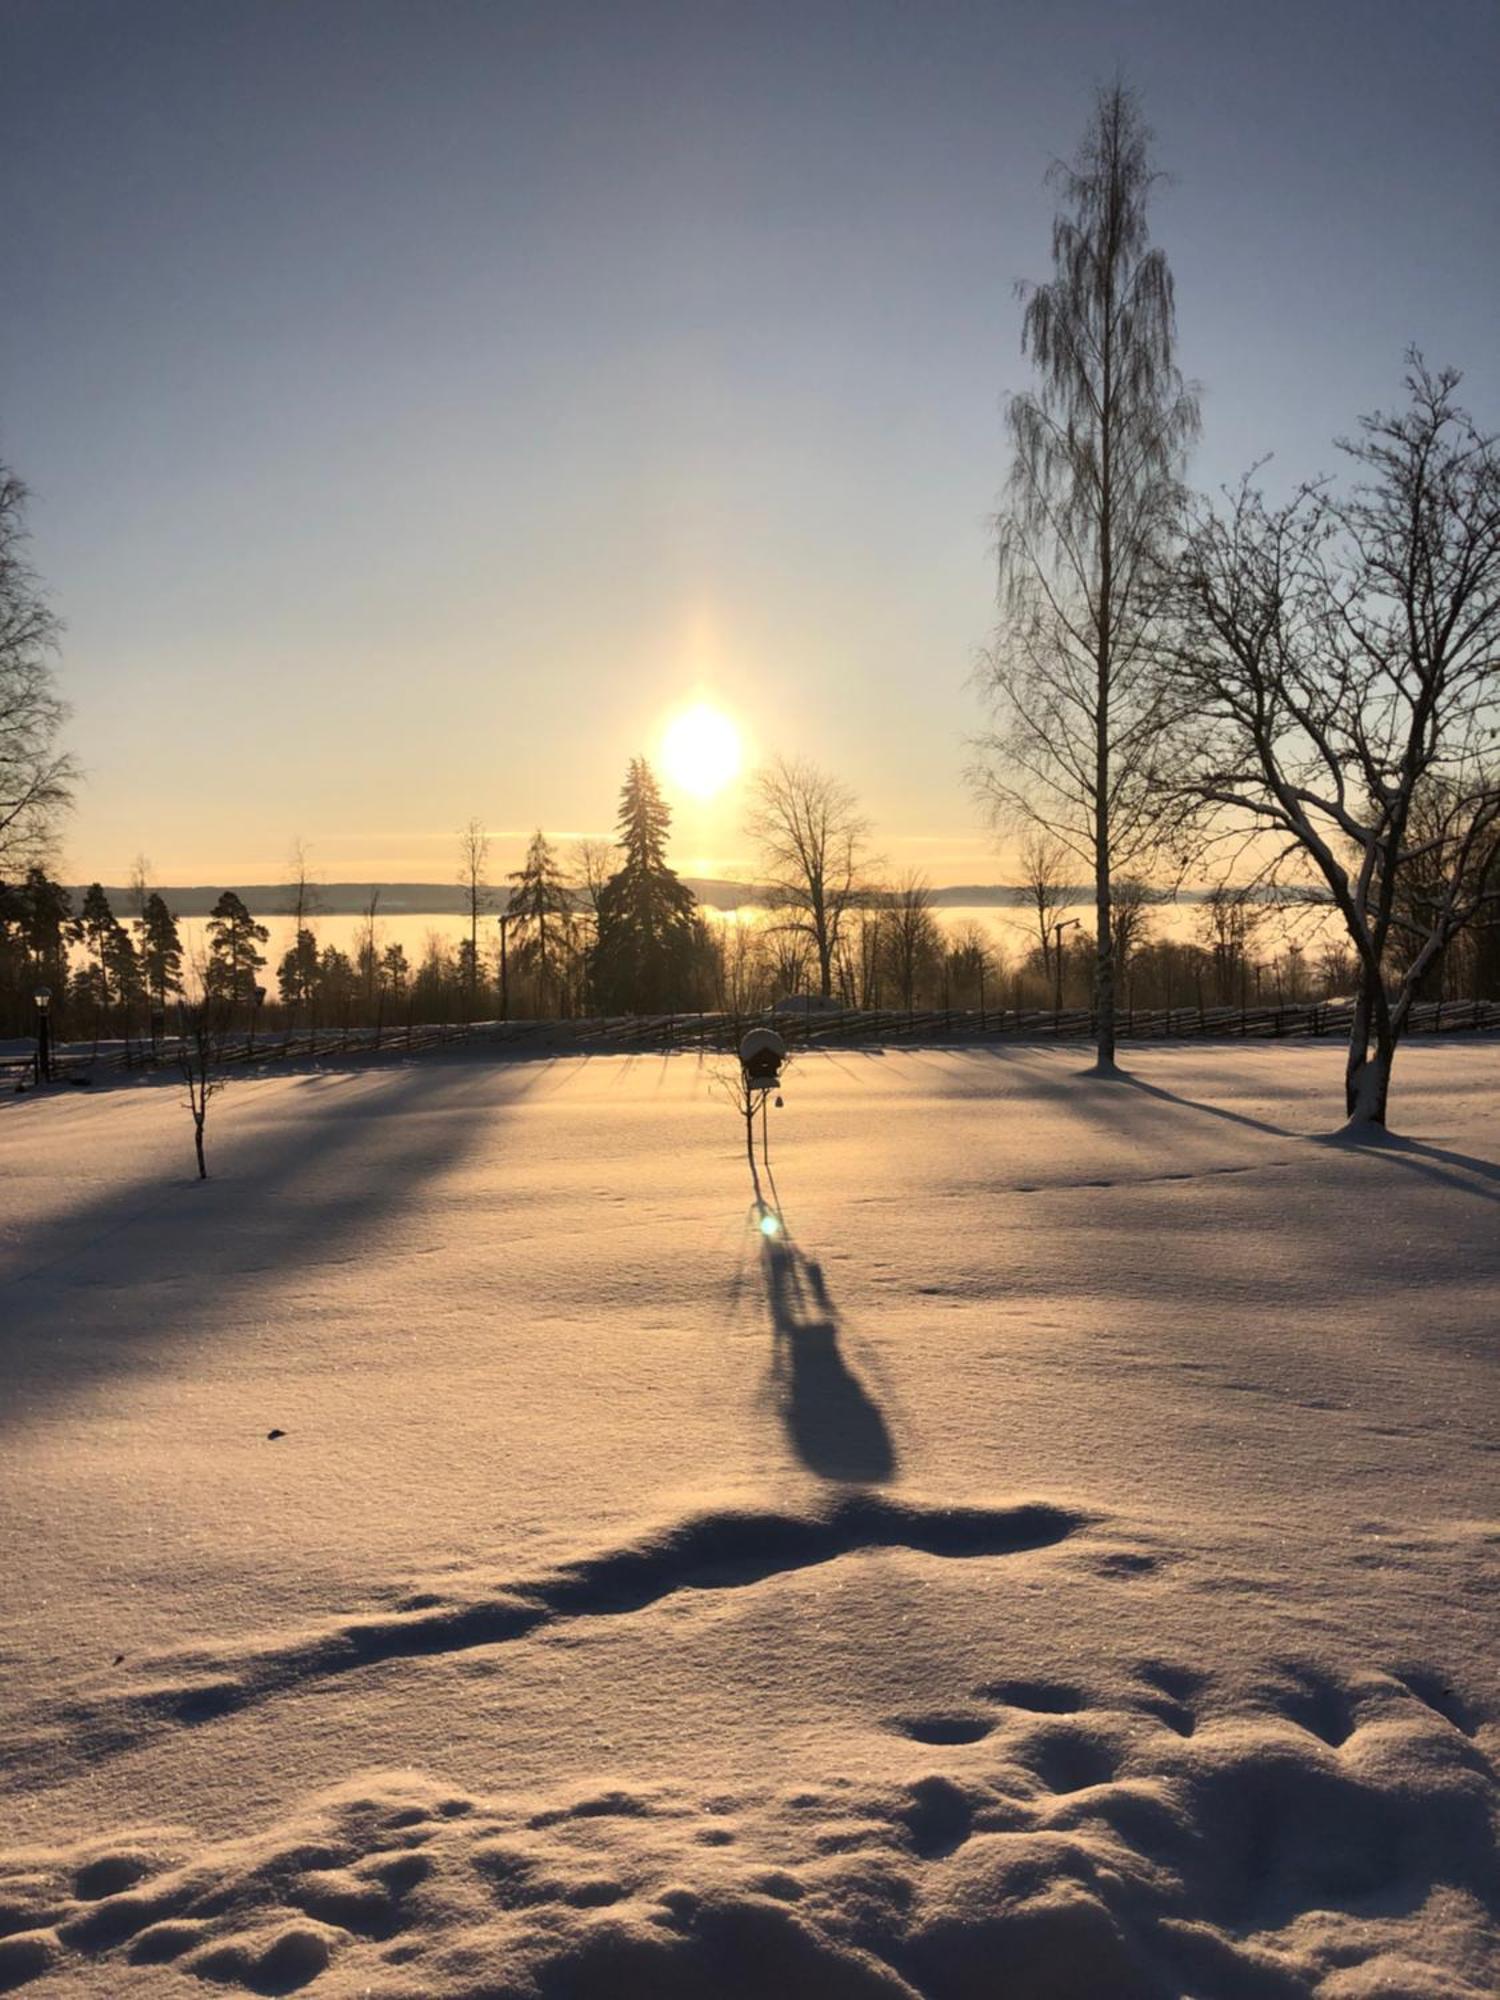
{"x": 770, "y": 1225}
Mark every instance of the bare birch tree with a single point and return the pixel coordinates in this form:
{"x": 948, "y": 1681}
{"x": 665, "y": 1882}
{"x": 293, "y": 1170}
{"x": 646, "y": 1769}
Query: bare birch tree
{"x": 36, "y": 779}
{"x": 473, "y": 879}
{"x": 1343, "y": 653}
{"x": 911, "y": 938}
{"x": 1045, "y": 889}
{"x": 367, "y": 949}
{"x": 1081, "y": 719}
{"x": 811, "y": 836}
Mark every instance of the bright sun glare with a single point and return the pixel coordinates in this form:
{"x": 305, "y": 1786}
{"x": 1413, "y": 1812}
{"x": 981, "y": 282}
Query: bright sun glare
{"x": 701, "y": 750}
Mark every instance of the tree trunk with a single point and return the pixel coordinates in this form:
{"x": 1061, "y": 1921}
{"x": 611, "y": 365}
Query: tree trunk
{"x": 1367, "y": 1082}
{"x": 198, "y": 1143}
{"x": 1104, "y": 963}
{"x": 1367, "y": 1075}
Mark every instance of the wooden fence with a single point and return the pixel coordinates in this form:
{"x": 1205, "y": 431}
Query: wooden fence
{"x": 662, "y": 1033}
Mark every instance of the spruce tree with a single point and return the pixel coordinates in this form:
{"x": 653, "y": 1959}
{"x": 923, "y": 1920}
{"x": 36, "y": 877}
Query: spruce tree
{"x": 645, "y": 960}
{"x": 540, "y": 893}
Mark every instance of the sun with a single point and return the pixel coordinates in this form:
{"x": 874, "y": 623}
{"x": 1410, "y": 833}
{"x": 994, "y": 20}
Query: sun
{"x": 701, "y": 750}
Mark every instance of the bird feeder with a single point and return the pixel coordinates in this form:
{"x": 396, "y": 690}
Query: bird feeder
{"x": 762, "y": 1054}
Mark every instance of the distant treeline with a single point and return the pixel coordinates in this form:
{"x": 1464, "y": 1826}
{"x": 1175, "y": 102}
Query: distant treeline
{"x": 612, "y": 929}
{"x": 446, "y": 899}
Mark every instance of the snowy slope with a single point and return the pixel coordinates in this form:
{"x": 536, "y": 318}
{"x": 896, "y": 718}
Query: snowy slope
{"x": 1061, "y": 1562}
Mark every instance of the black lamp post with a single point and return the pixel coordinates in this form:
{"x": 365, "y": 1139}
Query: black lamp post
{"x": 43, "y": 998}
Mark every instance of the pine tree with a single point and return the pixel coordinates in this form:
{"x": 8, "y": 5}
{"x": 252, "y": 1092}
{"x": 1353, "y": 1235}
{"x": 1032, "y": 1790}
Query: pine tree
{"x": 646, "y": 957}
{"x": 540, "y": 893}
{"x": 337, "y": 981}
{"x": 233, "y": 957}
{"x": 122, "y": 968}
{"x": 395, "y": 972}
{"x": 161, "y": 952}
{"x": 47, "y": 924}
{"x": 96, "y": 924}
{"x": 297, "y": 974}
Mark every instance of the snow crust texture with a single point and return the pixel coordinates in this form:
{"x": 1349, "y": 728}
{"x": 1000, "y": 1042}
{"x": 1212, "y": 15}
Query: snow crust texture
{"x": 460, "y": 1553}
{"x": 1049, "y": 1845}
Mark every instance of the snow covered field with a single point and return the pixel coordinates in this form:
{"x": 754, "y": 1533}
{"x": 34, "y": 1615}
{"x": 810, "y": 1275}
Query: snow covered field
{"x": 1061, "y": 1565}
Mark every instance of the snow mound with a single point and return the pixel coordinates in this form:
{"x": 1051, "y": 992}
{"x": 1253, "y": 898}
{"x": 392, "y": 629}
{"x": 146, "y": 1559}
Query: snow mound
{"x": 1053, "y": 1851}
{"x": 718, "y": 1549}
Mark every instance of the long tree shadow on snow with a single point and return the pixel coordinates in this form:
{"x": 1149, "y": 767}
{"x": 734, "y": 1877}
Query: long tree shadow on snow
{"x": 833, "y": 1423}
{"x": 292, "y": 1196}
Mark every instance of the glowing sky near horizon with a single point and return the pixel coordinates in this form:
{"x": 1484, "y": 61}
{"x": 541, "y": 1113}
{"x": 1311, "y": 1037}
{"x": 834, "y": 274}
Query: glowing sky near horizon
{"x": 424, "y": 405}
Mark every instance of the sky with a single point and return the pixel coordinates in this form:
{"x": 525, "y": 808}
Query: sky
{"x": 423, "y": 403}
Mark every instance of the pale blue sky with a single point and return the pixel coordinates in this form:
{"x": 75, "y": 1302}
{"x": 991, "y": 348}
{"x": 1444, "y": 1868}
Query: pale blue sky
{"x": 421, "y": 399}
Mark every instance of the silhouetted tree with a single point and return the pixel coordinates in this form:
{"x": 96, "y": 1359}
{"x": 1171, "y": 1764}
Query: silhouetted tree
{"x": 473, "y": 879}
{"x": 46, "y": 925}
{"x": 367, "y": 952}
{"x": 1044, "y": 885}
{"x": 974, "y": 967}
{"x": 1083, "y": 721}
{"x": 338, "y": 983}
{"x": 910, "y": 936}
{"x": 35, "y": 777}
{"x": 301, "y": 902}
{"x": 96, "y": 921}
{"x": 812, "y": 837}
{"x": 234, "y": 957}
{"x": 395, "y": 973}
{"x": 114, "y": 971}
{"x": 160, "y": 952}
{"x": 540, "y": 897}
{"x": 199, "y": 1050}
{"x": 646, "y": 956}
{"x": 1229, "y": 921}
{"x": 1341, "y": 653}
{"x": 297, "y": 974}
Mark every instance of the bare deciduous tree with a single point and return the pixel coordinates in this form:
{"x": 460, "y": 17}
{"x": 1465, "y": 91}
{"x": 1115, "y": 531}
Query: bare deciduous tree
{"x": 1343, "y": 654}
{"x": 198, "y": 1049}
{"x": 1229, "y": 922}
{"x": 367, "y": 949}
{"x": 473, "y": 879}
{"x": 811, "y": 836}
{"x": 1043, "y": 881}
{"x": 910, "y": 937}
{"x": 1082, "y": 720}
{"x": 36, "y": 779}
{"x": 299, "y": 966}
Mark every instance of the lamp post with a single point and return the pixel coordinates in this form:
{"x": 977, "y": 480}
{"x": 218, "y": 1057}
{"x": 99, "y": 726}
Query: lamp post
{"x": 1068, "y": 924}
{"x": 43, "y": 998}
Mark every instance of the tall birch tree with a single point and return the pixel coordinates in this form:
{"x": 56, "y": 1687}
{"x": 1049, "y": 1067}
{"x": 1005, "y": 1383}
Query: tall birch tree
{"x": 1081, "y": 721}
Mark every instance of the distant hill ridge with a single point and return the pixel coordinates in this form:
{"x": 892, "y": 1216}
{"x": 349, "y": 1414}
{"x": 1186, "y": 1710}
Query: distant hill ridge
{"x": 446, "y": 899}
{"x": 440, "y": 899}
